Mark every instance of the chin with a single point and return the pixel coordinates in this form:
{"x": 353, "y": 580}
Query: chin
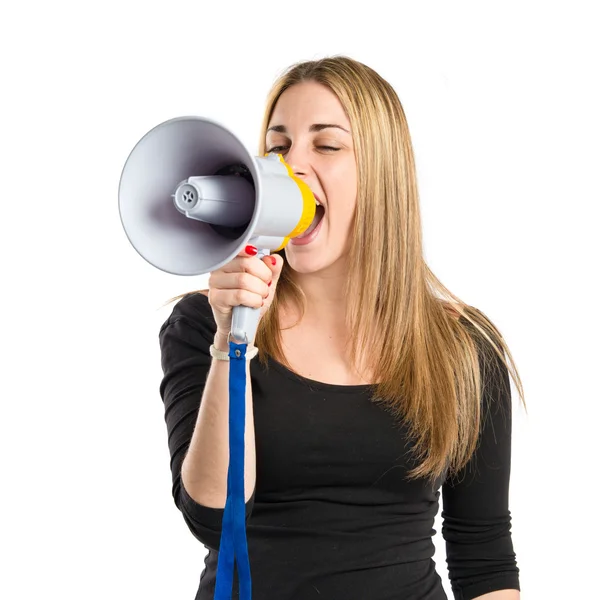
{"x": 310, "y": 262}
{"x": 304, "y": 264}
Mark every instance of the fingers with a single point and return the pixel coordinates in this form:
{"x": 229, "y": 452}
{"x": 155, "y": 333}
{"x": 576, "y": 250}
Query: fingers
{"x": 240, "y": 281}
{"x": 246, "y": 262}
{"x": 245, "y": 280}
{"x": 226, "y": 299}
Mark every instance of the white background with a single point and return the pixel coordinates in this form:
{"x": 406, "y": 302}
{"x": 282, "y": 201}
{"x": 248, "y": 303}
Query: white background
{"x": 502, "y": 101}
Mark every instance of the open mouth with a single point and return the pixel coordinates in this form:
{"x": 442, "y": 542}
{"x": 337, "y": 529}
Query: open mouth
{"x": 319, "y": 212}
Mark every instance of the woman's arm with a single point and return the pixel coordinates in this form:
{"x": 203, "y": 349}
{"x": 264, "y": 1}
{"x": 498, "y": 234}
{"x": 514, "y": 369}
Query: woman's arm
{"x": 206, "y": 463}
{"x": 476, "y": 516}
{"x": 501, "y": 595}
{"x": 195, "y": 393}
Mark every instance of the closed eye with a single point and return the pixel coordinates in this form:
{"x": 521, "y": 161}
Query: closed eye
{"x": 278, "y": 149}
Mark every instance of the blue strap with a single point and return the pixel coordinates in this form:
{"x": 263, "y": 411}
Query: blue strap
{"x": 234, "y": 544}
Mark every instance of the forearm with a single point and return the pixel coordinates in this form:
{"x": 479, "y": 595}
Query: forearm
{"x": 501, "y": 595}
{"x": 204, "y": 469}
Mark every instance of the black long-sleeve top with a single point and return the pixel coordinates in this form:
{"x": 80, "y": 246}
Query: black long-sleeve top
{"x": 331, "y": 516}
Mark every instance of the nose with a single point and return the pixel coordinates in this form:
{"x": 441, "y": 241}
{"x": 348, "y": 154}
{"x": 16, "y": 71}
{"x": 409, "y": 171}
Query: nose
{"x": 297, "y": 159}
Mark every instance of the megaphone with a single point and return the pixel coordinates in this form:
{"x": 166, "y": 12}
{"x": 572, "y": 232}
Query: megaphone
{"x": 191, "y": 197}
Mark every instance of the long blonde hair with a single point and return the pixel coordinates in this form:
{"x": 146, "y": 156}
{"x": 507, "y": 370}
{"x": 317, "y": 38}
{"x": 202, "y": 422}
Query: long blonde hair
{"x": 429, "y": 351}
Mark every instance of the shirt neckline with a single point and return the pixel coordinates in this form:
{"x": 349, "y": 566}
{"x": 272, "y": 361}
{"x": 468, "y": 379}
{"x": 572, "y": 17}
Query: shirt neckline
{"x": 319, "y": 385}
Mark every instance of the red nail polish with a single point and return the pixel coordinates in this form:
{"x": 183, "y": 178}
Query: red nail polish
{"x": 269, "y": 284}
{"x": 252, "y": 250}
{"x": 273, "y": 260}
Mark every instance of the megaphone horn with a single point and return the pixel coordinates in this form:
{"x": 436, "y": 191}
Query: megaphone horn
{"x": 191, "y": 197}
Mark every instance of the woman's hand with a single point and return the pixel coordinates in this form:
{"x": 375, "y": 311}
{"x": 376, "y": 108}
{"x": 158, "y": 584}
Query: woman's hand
{"x": 245, "y": 281}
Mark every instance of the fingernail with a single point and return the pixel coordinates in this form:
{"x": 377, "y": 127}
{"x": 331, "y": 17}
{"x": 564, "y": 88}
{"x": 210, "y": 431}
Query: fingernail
{"x": 273, "y": 260}
{"x": 269, "y": 284}
{"x": 252, "y": 250}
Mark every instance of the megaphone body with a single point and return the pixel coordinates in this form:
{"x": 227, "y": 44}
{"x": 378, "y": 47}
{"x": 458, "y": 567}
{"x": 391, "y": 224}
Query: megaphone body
{"x": 191, "y": 197}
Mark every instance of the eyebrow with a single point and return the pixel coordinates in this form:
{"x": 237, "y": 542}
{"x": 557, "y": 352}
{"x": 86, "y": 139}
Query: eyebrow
{"x": 312, "y": 128}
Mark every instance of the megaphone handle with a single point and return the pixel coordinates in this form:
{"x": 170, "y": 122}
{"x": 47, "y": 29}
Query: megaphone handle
{"x": 244, "y": 320}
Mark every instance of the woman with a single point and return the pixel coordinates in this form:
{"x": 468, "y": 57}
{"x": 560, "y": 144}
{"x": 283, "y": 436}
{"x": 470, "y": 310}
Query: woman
{"x": 370, "y": 393}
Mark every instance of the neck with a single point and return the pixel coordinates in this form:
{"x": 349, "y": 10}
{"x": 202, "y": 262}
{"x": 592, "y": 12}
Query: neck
{"x": 325, "y": 299}
{"x": 324, "y": 320}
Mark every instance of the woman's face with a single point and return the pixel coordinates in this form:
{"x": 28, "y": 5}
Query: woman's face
{"x": 311, "y": 130}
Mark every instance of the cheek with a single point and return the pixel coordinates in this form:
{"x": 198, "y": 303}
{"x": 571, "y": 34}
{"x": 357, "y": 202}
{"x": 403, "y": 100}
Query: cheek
{"x": 345, "y": 190}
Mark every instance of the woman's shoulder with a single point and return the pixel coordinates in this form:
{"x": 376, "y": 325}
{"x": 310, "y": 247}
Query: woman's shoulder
{"x": 194, "y": 309}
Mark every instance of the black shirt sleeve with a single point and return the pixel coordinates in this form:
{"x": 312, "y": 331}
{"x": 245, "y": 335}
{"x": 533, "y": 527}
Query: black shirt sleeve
{"x": 476, "y": 518}
{"x": 185, "y": 339}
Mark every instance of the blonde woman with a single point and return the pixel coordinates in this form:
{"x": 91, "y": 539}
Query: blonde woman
{"x": 374, "y": 387}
